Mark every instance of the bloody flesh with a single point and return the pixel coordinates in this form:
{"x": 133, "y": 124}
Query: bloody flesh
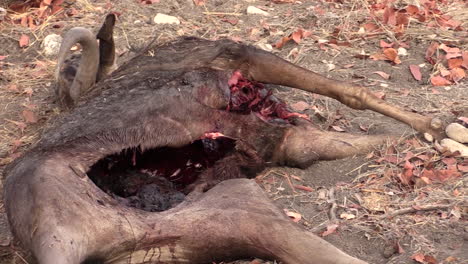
{"x": 250, "y": 96}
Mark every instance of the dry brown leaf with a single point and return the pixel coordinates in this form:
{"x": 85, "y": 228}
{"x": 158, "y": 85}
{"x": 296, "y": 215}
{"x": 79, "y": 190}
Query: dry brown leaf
{"x": 440, "y": 81}
{"x": 24, "y": 41}
{"x": 419, "y": 257}
{"x": 457, "y": 74}
{"x": 415, "y": 71}
{"x": 382, "y": 74}
{"x": 338, "y": 128}
{"x": 392, "y": 55}
{"x": 430, "y": 52}
{"x": 384, "y": 44}
{"x": 303, "y": 188}
{"x": 29, "y": 116}
{"x": 330, "y": 229}
{"x": 454, "y": 63}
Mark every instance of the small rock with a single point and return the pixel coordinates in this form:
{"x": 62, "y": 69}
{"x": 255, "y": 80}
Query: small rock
{"x": 252, "y": 10}
{"x": 453, "y": 146}
{"x": 402, "y": 51}
{"x": 428, "y": 137}
{"x": 51, "y": 45}
{"x": 265, "y": 46}
{"x": 457, "y": 132}
{"x": 166, "y": 19}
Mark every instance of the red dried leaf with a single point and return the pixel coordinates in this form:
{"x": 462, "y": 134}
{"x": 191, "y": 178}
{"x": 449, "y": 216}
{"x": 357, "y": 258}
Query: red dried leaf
{"x": 29, "y": 117}
{"x": 382, "y": 74}
{"x": 392, "y": 55}
{"x": 440, "y": 81}
{"x": 338, "y": 128}
{"x": 47, "y": 2}
{"x": 407, "y": 175}
{"x": 377, "y": 56}
{"x": 370, "y": 27}
{"x": 282, "y": 42}
{"x": 416, "y": 72}
{"x": 232, "y": 21}
{"x": 402, "y": 19}
{"x": 457, "y": 74}
{"x": 330, "y": 229}
{"x": 454, "y": 63}
{"x": 465, "y": 59}
{"x": 303, "y": 188}
{"x": 384, "y": 44}
{"x": 24, "y": 40}
{"x": 300, "y": 106}
{"x": 389, "y": 16}
{"x": 419, "y": 257}
{"x": 430, "y": 51}
{"x": 430, "y": 260}
{"x": 412, "y": 9}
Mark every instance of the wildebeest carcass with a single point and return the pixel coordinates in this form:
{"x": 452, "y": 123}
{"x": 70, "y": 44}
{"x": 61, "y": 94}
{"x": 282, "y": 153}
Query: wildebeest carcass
{"x": 209, "y": 99}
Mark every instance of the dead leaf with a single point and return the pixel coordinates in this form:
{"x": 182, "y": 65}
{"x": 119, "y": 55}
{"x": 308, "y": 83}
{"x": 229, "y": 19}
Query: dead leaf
{"x": 392, "y": 55}
{"x": 440, "y": 81}
{"x": 430, "y": 52}
{"x": 457, "y": 74}
{"x": 295, "y": 217}
{"x": 300, "y": 106}
{"x": 330, "y": 229}
{"x": 303, "y": 188}
{"x": 416, "y": 72}
{"x": 338, "y": 128}
{"x": 382, "y": 74}
{"x": 347, "y": 216}
{"x": 419, "y": 257}
{"x": 454, "y": 63}
{"x": 384, "y": 44}
{"x": 412, "y": 9}
{"x": 389, "y": 16}
{"x": 465, "y": 59}
{"x": 281, "y": 42}
{"x": 407, "y": 175}
{"x": 2, "y": 57}
{"x": 24, "y": 41}
{"x": 29, "y": 117}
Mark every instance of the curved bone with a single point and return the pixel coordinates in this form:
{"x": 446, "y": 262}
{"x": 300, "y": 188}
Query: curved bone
{"x": 75, "y": 75}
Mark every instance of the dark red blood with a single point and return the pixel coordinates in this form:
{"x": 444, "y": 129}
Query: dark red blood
{"x": 250, "y": 96}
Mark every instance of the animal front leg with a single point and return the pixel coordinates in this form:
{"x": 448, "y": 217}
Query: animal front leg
{"x": 303, "y": 145}
{"x": 268, "y": 68}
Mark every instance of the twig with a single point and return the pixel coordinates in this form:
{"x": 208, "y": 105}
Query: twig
{"x": 414, "y": 210}
{"x": 222, "y": 13}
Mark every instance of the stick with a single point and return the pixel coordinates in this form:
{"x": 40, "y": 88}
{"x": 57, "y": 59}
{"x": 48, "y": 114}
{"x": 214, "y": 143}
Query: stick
{"x": 414, "y": 210}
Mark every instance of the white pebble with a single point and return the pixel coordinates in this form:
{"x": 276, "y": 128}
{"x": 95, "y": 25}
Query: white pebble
{"x": 166, "y": 19}
{"x": 252, "y": 10}
{"x": 457, "y": 132}
{"x": 453, "y": 146}
{"x": 51, "y": 45}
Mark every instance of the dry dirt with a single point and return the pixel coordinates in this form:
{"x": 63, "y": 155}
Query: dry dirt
{"x": 357, "y": 188}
